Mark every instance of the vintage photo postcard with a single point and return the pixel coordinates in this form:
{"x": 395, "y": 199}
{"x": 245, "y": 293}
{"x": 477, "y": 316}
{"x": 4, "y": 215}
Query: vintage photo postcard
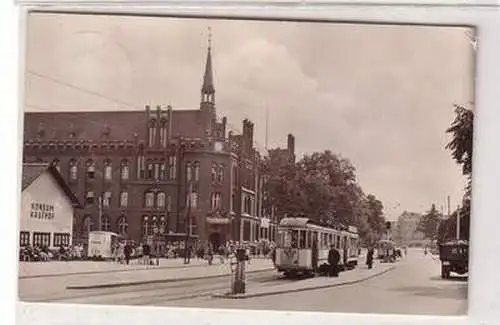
{"x": 246, "y": 164}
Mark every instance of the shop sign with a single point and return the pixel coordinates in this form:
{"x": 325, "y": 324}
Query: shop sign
{"x": 42, "y": 211}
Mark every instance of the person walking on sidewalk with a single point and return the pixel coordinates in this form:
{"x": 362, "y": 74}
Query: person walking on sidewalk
{"x": 333, "y": 261}
{"x": 369, "y": 257}
{"x": 127, "y": 252}
{"x": 146, "y": 251}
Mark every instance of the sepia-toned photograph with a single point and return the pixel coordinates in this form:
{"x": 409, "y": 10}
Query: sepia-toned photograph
{"x": 246, "y": 164}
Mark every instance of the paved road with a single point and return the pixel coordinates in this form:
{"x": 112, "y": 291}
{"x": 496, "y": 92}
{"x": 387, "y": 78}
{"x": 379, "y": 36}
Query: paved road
{"x": 53, "y": 290}
{"x": 414, "y": 287}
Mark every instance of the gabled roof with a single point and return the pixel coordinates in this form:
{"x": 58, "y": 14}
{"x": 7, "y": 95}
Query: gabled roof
{"x": 31, "y": 171}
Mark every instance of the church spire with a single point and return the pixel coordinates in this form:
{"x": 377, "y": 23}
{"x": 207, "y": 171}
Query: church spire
{"x": 208, "y": 89}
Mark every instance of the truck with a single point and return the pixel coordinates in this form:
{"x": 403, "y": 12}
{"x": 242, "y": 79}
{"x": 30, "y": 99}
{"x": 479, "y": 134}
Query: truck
{"x": 454, "y": 257}
{"x": 101, "y": 244}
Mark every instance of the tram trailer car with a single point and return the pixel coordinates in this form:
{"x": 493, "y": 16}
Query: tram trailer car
{"x": 297, "y": 237}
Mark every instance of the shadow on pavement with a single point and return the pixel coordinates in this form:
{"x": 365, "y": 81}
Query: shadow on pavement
{"x": 452, "y": 278}
{"x": 458, "y": 292}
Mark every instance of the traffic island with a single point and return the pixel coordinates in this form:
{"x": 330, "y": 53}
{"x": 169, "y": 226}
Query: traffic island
{"x": 157, "y": 276}
{"x": 345, "y": 278}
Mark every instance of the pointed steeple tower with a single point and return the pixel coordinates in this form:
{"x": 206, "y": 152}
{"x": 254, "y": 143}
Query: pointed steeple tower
{"x": 208, "y": 89}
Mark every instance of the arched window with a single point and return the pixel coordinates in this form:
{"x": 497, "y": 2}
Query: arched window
{"x": 163, "y": 133}
{"x": 189, "y": 173}
{"x": 87, "y": 225}
{"x": 163, "y": 225}
{"x": 149, "y": 199}
{"x": 90, "y": 169}
{"x": 106, "y": 200}
{"x": 149, "y": 174}
{"x": 196, "y": 171}
{"x": 105, "y": 224}
{"x": 108, "y": 170}
{"x": 220, "y": 174}
{"x": 122, "y": 225}
{"x": 56, "y": 164}
{"x": 146, "y": 228}
{"x": 215, "y": 201}
{"x": 124, "y": 172}
{"x": 123, "y": 199}
{"x": 73, "y": 170}
{"x": 163, "y": 172}
{"x": 154, "y": 224}
{"x": 152, "y": 132}
{"x": 160, "y": 200}
{"x": 169, "y": 203}
{"x": 214, "y": 173}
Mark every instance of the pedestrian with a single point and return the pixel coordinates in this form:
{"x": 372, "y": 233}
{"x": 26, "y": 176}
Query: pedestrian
{"x": 369, "y": 257}
{"x": 146, "y": 252}
{"x": 333, "y": 261}
{"x": 127, "y": 252}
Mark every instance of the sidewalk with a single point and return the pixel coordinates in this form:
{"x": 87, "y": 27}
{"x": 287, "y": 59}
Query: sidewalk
{"x": 55, "y": 268}
{"x": 359, "y": 274}
{"x": 154, "y": 274}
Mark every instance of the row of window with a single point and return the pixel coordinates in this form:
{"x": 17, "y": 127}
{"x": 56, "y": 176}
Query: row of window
{"x": 153, "y": 225}
{"x": 44, "y": 239}
{"x": 151, "y": 199}
{"x": 88, "y": 225}
{"x": 90, "y": 169}
{"x": 157, "y": 171}
{"x": 155, "y": 127}
{"x": 148, "y": 170}
{"x": 307, "y": 238}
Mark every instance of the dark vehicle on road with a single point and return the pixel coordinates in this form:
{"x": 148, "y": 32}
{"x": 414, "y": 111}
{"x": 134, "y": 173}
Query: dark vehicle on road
{"x": 454, "y": 256}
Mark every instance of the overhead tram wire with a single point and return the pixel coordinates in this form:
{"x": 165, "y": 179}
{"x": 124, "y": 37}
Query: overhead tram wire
{"x": 89, "y": 92}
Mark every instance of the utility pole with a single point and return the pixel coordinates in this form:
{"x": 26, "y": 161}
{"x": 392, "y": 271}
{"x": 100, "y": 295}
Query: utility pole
{"x": 188, "y": 223}
{"x": 100, "y": 211}
{"x": 449, "y": 207}
{"x": 458, "y": 222}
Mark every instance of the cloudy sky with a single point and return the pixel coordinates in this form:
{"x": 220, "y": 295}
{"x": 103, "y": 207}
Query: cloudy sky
{"x": 381, "y": 96}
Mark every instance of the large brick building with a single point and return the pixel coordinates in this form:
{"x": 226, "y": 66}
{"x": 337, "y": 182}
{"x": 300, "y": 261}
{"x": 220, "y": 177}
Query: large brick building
{"x": 135, "y": 169}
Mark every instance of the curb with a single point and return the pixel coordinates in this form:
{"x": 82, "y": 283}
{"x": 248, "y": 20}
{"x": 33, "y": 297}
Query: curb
{"x": 136, "y": 283}
{"x": 107, "y": 271}
{"x": 245, "y": 296}
{"x": 54, "y": 275}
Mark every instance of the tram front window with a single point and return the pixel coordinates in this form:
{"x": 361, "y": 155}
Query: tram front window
{"x": 289, "y": 238}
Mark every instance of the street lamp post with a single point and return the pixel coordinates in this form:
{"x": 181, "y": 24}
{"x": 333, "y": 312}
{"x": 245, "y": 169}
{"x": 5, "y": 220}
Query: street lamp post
{"x": 155, "y": 234}
{"x": 187, "y": 254}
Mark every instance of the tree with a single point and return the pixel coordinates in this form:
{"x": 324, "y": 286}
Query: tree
{"x": 321, "y": 186}
{"x": 429, "y": 222}
{"x": 461, "y": 147}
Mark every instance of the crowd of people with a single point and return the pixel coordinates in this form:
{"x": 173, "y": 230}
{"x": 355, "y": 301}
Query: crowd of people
{"x": 39, "y": 253}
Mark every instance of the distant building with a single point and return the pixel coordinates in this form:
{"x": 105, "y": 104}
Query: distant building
{"x": 407, "y": 225}
{"x": 47, "y": 208}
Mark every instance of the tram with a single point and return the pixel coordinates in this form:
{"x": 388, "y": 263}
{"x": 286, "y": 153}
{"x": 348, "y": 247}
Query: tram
{"x": 303, "y": 246}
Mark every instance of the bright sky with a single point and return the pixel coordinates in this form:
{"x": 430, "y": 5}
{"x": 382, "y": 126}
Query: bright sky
{"x": 381, "y": 96}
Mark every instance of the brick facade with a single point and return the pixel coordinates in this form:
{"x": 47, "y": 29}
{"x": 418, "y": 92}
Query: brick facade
{"x": 141, "y": 165}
